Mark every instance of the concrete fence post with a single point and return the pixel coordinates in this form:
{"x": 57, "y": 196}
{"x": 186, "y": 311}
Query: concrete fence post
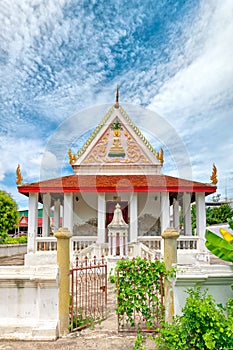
{"x": 170, "y": 236}
{"x": 63, "y": 236}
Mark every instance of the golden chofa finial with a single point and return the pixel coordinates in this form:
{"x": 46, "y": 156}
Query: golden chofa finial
{"x": 159, "y": 156}
{"x": 72, "y": 157}
{"x": 19, "y": 177}
{"x": 213, "y": 176}
{"x": 117, "y": 98}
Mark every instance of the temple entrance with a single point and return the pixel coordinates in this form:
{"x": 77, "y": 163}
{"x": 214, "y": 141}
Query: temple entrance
{"x": 110, "y": 207}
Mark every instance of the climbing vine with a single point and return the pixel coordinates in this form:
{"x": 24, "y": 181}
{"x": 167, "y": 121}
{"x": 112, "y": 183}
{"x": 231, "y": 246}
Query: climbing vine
{"x": 139, "y": 285}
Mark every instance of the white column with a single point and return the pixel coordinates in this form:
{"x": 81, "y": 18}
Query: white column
{"x": 164, "y": 215}
{"x": 165, "y": 211}
{"x": 133, "y": 228}
{"x": 32, "y": 222}
{"x": 201, "y": 220}
{"x": 176, "y": 218}
{"x": 114, "y": 243}
{"x": 46, "y": 214}
{"x": 121, "y": 244}
{"x": 57, "y": 205}
{"x": 187, "y": 214}
{"x": 68, "y": 211}
{"x": 101, "y": 218}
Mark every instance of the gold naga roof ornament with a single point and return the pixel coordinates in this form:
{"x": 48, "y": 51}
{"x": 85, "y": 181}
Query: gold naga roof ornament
{"x": 159, "y": 156}
{"x": 213, "y": 176}
{"x": 72, "y": 157}
{"x": 19, "y": 177}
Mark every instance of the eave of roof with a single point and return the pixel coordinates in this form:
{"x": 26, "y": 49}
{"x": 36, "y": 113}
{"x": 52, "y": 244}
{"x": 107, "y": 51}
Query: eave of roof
{"x": 116, "y": 183}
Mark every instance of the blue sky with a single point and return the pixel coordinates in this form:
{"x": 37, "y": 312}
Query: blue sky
{"x": 60, "y": 58}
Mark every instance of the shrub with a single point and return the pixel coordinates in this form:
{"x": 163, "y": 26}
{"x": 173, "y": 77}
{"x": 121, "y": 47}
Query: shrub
{"x": 203, "y": 325}
{"x": 11, "y": 240}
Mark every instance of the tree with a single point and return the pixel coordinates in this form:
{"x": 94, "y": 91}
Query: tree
{"x": 9, "y": 216}
{"x": 218, "y": 215}
{"x": 215, "y": 215}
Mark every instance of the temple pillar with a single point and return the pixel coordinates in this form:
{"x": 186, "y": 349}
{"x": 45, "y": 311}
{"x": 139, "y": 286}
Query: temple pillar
{"x": 201, "y": 220}
{"x": 68, "y": 211}
{"x": 57, "y": 214}
{"x": 32, "y": 222}
{"x": 176, "y": 218}
{"x": 133, "y": 217}
{"x": 101, "y": 218}
{"x": 187, "y": 214}
{"x": 46, "y": 215}
{"x": 165, "y": 211}
{"x": 164, "y": 215}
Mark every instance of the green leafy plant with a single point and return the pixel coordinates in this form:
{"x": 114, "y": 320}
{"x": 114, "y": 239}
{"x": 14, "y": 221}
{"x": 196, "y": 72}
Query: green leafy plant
{"x": 203, "y": 325}
{"x": 112, "y": 276}
{"x": 221, "y": 247}
{"x": 138, "y": 284}
{"x": 79, "y": 321}
{"x": 11, "y": 240}
{"x": 139, "y": 342}
{"x": 9, "y": 217}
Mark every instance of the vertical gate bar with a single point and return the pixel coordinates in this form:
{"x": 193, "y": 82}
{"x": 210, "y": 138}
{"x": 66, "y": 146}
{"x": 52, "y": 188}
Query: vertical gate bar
{"x": 95, "y": 292}
{"x": 72, "y": 301}
{"x": 106, "y": 289}
{"x": 76, "y": 295}
{"x": 85, "y": 294}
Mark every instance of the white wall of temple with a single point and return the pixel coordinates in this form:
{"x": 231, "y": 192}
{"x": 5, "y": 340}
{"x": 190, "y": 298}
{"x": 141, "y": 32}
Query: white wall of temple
{"x": 149, "y": 213}
{"x": 85, "y": 214}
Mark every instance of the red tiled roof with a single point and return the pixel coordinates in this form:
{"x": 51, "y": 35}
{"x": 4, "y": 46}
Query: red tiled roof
{"x": 116, "y": 183}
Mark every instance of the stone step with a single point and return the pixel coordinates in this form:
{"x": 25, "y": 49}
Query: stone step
{"x": 12, "y": 260}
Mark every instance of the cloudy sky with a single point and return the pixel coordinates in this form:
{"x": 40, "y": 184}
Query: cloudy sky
{"x": 60, "y": 58}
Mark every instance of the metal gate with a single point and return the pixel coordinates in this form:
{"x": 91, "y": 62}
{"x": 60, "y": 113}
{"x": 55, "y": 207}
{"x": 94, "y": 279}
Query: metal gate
{"x": 88, "y": 302}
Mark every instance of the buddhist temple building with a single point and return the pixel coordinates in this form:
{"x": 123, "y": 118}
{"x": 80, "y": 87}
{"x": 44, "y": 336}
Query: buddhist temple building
{"x": 117, "y": 167}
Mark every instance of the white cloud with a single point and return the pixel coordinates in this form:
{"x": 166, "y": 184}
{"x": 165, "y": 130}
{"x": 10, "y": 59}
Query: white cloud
{"x": 26, "y": 152}
{"x": 205, "y": 79}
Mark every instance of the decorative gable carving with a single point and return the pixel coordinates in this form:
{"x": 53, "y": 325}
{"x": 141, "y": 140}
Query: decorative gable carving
{"x": 116, "y": 145}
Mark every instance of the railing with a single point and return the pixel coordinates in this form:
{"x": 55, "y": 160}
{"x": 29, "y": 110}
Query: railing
{"x": 46, "y": 244}
{"x": 152, "y": 242}
{"x": 187, "y": 242}
{"x": 140, "y": 249}
{"x": 183, "y": 242}
{"x": 144, "y": 247}
{"x": 77, "y": 243}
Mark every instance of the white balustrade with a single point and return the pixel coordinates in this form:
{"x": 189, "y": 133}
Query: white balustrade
{"x": 46, "y": 244}
{"x": 183, "y": 242}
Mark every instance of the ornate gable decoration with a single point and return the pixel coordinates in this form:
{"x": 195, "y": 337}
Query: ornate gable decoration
{"x": 116, "y": 145}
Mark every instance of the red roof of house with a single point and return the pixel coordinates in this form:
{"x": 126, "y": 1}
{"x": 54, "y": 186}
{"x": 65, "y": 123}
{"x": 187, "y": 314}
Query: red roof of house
{"x": 116, "y": 183}
{"x": 24, "y": 222}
